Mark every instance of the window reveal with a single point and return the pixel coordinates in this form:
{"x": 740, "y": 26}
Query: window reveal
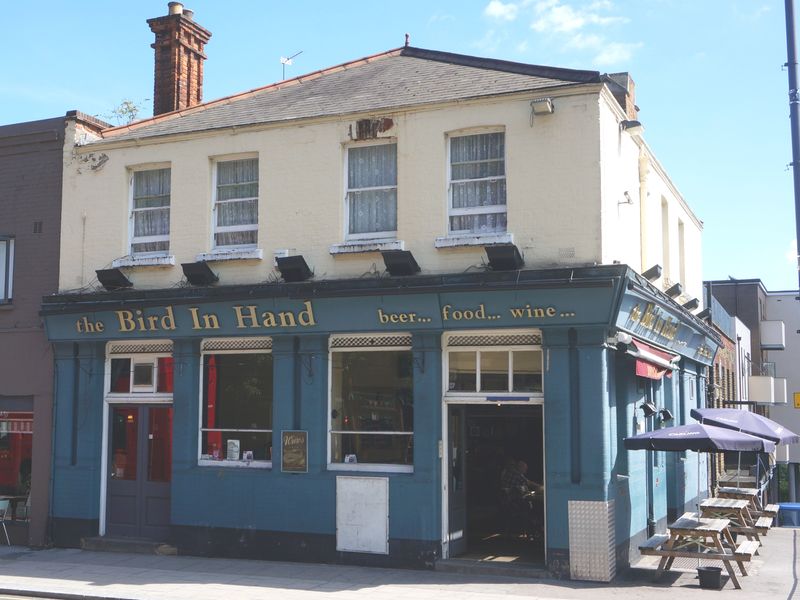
{"x": 477, "y": 194}
{"x": 6, "y": 268}
{"x": 372, "y": 409}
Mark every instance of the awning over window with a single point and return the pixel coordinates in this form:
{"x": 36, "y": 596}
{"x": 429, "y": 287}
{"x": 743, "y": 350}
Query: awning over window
{"x": 651, "y": 362}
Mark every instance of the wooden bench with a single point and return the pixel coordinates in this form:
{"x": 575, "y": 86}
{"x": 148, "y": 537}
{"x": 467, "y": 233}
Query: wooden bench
{"x": 771, "y": 510}
{"x": 653, "y": 545}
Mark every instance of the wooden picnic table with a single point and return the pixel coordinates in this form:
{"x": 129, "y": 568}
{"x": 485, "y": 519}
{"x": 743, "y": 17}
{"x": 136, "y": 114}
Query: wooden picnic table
{"x": 753, "y": 497}
{"x": 692, "y": 536}
{"x": 737, "y": 512}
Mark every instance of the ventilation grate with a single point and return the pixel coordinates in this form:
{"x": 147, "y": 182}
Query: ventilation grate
{"x": 238, "y": 344}
{"x": 527, "y": 339}
{"x": 362, "y": 341}
{"x": 152, "y": 348}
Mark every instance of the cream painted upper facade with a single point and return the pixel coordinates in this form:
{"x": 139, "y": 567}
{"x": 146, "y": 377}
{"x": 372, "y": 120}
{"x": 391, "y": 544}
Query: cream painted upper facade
{"x": 580, "y": 191}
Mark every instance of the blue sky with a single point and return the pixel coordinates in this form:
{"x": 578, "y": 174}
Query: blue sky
{"x": 709, "y": 75}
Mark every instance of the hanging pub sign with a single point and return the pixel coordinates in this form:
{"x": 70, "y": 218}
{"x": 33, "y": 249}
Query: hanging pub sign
{"x": 294, "y": 451}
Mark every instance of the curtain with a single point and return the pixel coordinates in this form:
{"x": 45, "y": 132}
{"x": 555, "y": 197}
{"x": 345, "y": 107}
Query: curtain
{"x": 372, "y": 188}
{"x": 151, "y": 198}
{"x": 477, "y": 180}
{"x": 237, "y": 203}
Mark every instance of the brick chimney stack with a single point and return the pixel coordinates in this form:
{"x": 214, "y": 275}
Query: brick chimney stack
{"x": 178, "y": 59}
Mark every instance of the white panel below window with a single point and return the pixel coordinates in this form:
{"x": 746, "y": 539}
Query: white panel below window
{"x": 362, "y": 514}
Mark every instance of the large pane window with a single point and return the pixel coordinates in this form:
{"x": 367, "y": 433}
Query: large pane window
{"x": 6, "y": 268}
{"x": 372, "y": 408}
{"x": 16, "y": 445}
{"x": 236, "y": 203}
{"x": 372, "y": 191}
{"x": 150, "y": 212}
{"x": 477, "y": 195}
{"x": 237, "y": 408}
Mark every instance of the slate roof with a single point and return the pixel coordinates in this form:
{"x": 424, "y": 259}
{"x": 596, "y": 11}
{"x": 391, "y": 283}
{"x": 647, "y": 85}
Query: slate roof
{"x": 398, "y": 78}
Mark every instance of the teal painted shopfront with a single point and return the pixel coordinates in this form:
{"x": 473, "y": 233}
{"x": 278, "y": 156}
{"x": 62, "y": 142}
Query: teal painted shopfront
{"x": 372, "y": 421}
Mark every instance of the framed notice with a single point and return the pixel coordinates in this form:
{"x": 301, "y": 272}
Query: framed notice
{"x": 294, "y": 451}
{"x": 797, "y": 399}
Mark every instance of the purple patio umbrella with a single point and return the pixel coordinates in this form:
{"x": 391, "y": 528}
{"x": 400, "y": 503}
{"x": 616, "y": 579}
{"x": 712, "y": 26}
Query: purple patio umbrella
{"x": 746, "y": 422}
{"x": 698, "y": 437}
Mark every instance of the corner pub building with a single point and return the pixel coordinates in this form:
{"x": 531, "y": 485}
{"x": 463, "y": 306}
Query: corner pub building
{"x": 364, "y": 416}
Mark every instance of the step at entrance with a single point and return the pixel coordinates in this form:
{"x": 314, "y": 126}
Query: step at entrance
{"x": 107, "y": 544}
{"x": 491, "y": 567}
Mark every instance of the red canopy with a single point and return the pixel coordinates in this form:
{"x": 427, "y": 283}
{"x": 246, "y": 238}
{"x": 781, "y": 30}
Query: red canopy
{"x": 652, "y": 362}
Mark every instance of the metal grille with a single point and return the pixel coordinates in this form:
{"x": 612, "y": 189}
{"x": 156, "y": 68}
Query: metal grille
{"x": 238, "y": 344}
{"x": 151, "y": 348}
{"x": 527, "y": 339}
{"x": 379, "y": 341}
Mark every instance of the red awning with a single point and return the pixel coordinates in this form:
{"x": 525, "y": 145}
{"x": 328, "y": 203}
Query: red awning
{"x": 651, "y": 362}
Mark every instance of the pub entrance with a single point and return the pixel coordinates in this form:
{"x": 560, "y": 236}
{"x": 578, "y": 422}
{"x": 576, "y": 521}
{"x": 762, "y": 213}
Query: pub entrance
{"x": 490, "y": 515}
{"x": 140, "y": 463}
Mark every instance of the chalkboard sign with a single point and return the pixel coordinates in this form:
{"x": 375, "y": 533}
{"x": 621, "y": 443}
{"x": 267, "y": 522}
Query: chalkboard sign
{"x": 294, "y": 451}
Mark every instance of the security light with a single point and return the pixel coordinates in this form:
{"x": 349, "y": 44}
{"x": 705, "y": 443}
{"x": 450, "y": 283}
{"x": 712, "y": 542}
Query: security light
{"x": 113, "y": 279}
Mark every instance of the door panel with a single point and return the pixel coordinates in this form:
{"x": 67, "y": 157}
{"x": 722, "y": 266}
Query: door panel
{"x": 457, "y": 492}
{"x": 140, "y": 458}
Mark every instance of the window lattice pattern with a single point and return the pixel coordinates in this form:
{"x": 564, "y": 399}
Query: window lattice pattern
{"x": 238, "y": 344}
{"x": 385, "y": 341}
{"x": 527, "y": 339}
{"x": 153, "y": 348}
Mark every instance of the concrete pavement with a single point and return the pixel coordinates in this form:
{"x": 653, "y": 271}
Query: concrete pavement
{"x": 88, "y": 575}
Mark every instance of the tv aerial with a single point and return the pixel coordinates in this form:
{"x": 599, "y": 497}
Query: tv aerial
{"x": 287, "y": 61}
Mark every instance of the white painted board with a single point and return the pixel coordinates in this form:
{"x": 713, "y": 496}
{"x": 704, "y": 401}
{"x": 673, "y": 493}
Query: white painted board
{"x": 362, "y": 514}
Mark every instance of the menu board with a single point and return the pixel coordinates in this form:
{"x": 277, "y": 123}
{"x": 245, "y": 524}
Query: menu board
{"x": 294, "y": 451}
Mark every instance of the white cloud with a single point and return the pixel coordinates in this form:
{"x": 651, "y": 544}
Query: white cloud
{"x": 615, "y": 52}
{"x": 502, "y": 11}
{"x": 440, "y": 17}
{"x": 491, "y": 40}
{"x": 553, "y": 16}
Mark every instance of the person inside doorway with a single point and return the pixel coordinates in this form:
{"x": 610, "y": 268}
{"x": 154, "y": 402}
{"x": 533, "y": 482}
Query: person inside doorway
{"x": 523, "y": 497}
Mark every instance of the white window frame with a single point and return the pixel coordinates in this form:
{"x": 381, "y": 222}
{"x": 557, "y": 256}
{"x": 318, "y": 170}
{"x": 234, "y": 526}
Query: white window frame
{"x": 478, "y": 396}
{"x": 476, "y": 210}
{"x": 7, "y": 283}
{"x": 231, "y": 464}
{"x": 137, "y": 394}
{"x": 215, "y": 229}
{"x": 132, "y": 239}
{"x": 363, "y": 467}
{"x": 373, "y": 235}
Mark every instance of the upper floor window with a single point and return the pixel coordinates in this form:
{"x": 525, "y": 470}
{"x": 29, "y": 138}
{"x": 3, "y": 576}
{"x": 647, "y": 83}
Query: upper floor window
{"x": 6, "y": 268}
{"x": 477, "y": 187}
{"x": 236, "y": 204}
{"x": 150, "y": 211}
{"x": 372, "y": 191}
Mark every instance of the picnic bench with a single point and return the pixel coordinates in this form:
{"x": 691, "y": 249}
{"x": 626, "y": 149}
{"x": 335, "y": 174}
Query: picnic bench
{"x": 739, "y": 514}
{"x": 752, "y": 496}
{"x": 692, "y": 536}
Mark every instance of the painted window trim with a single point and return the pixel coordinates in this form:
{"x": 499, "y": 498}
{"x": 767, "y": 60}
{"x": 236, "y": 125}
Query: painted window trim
{"x": 375, "y": 237}
{"x": 362, "y": 467}
{"x": 456, "y": 241}
{"x": 216, "y": 250}
{"x": 132, "y": 256}
{"x": 224, "y": 463}
{"x": 135, "y": 396}
{"x": 461, "y": 235}
{"x": 363, "y": 246}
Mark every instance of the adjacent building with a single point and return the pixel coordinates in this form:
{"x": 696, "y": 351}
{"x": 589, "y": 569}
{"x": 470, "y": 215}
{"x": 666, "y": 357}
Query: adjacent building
{"x": 31, "y": 167}
{"x": 320, "y": 319}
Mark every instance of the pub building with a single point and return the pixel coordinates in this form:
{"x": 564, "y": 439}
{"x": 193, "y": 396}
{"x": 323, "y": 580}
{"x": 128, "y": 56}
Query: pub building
{"x": 369, "y": 421}
{"x": 393, "y": 312}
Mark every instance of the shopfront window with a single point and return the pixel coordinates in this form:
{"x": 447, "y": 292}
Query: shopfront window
{"x": 16, "y": 443}
{"x": 141, "y": 375}
{"x": 237, "y": 409}
{"x": 372, "y": 408}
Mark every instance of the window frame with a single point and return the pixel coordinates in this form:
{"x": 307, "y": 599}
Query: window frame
{"x": 137, "y": 394}
{"x": 521, "y": 397}
{"x": 132, "y": 238}
{"x": 475, "y": 210}
{"x": 373, "y": 236}
{"x": 222, "y": 463}
{"x": 364, "y": 467}
{"x": 7, "y": 284}
{"x": 215, "y": 229}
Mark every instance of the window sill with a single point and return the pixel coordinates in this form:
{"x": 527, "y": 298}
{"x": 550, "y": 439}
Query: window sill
{"x": 144, "y": 261}
{"x": 232, "y": 254}
{"x": 6, "y": 305}
{"x": 368, "y": 468}
{"x": 363, "y": 246}
{"x": 486, "y": 239}
{"x": 235, "y": 464}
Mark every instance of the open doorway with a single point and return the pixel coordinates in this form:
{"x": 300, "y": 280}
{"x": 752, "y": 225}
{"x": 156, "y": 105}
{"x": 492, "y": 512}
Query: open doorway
{"x": 496, "y": 492}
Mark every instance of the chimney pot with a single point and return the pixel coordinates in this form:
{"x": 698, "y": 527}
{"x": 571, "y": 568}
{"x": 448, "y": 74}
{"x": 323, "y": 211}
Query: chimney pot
{"x": 188, "y": 13}
{"x": 175, "y": 8}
